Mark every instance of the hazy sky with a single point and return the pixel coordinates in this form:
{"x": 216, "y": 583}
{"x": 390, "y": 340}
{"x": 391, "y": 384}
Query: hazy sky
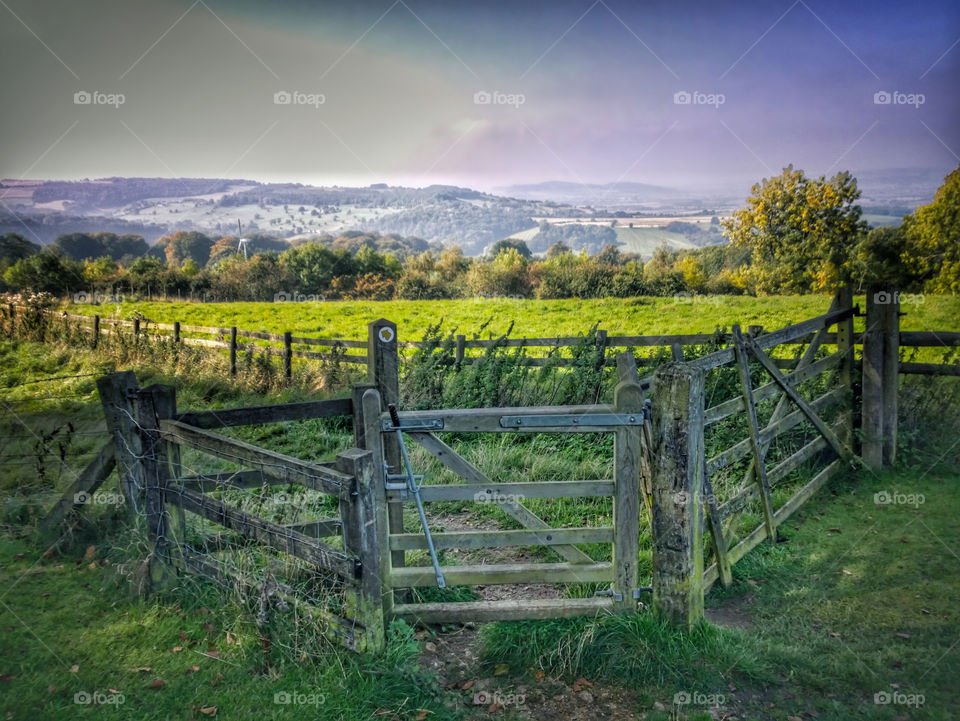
{"x": 394, "y": 91}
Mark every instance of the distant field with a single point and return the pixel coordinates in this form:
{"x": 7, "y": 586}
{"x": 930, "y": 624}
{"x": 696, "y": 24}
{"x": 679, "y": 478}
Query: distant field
{"x": 645, "y": 241}
{"x": 530, "y": 318}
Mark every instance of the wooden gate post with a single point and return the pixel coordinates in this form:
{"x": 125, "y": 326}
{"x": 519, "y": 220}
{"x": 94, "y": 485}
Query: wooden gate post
{"x": 365, "y": 536}
{"x": 117, "y": 392}
{"x": 845, "y": 345}
{"x": 154, "y": 461}
{"x": 678, "y": 461}
{"x": 627, "y": 401}
{"x": 891, "y": 374}
{"x": 383, "y": 371}
{"x": 872, "y": 424}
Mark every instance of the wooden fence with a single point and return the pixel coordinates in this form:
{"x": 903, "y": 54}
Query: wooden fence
{"x": 784, "y": 435}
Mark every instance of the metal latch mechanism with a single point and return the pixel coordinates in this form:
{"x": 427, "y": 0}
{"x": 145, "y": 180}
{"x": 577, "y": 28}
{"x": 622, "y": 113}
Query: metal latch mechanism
{"x": 411, "y": 483}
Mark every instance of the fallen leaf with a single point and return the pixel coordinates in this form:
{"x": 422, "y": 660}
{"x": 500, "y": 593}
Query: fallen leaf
{"x": 539, "y": 675}
{"x": 904, "y": 635}
{"x": 493, "y": 708}
{"x": 90, "y": 553}
{"x": 74, "y": 668}
{"x": 157, "y": 683}
{"x": 421, "y": 715}
{"x": 142, "y": 669}
{"x": 212, "y": 653}
{"x": 177, "y": 649}
{"x": 193, "y": 669}
{"x": 209, "y": 710}
{"x": 230, "y": 638}
{"x": 501, "y": 669}
{"x": 847, "y": 573}
{"x": 835, "y": 634}
{"x": 467, "y": 685}
{"x": 113, "y": 690}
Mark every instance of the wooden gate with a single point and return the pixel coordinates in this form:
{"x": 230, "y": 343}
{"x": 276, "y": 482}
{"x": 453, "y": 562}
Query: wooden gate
{"x": 625, "y": 419}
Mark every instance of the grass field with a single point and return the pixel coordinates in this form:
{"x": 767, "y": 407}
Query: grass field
{"x": 528, "y": 318}
{"x": 853, "y": 607}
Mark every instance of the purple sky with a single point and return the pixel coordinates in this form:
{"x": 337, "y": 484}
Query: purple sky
{"x": 778, "y": 83}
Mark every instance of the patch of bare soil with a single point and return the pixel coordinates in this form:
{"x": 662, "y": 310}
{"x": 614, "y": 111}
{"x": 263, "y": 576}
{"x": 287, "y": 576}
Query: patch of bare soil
{"x": 733, "y": 614}
{"x": 511, "y": 694}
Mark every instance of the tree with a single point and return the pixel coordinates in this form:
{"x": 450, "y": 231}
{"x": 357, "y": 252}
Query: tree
{"x": 505, "y": 276}
{"x": 802, "y": 232}
{"x": 45, "y": 272}
{"x": 183, "y": 244}
{"x": 500, "y": 245}
{"x": 558, "y": 248}
{"x": 932, "y": 239}
{"x": 14, "y": 247}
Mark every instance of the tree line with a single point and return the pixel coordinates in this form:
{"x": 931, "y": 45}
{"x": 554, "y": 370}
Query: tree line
{"x": 796, "y": 234}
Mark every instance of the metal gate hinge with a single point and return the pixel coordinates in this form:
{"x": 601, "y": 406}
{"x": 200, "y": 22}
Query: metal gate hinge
{"x": 430, "y": 424}
{"x": 573, "y": 420}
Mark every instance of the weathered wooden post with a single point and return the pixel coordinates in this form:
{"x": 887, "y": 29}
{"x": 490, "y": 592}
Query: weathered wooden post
{"x": 872, "y": 394}
{"x": 233, "y": 350}
{"x": 176, "y": 331}
{"x": 374, "y": 437}
{"x": 96, "y": 330}
{"x": 678, "y": 459}
{"x": 383, "y": 371}
{"x": 627, "y": 403}
{"x": 117, "y": 392}
{"x": 287, "y": 354}
{"x": 365, "y": 536}
{"x": 845, "y": 345}
{"x": 136, "y": 330}
{"x": 155, "y": 461}
{"x": 891, "y": 374}
{"x": 461, "y": 347}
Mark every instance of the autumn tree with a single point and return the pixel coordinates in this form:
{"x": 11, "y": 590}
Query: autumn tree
{"x": 802, "y": 232}
{"x": 932, "y": 239}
